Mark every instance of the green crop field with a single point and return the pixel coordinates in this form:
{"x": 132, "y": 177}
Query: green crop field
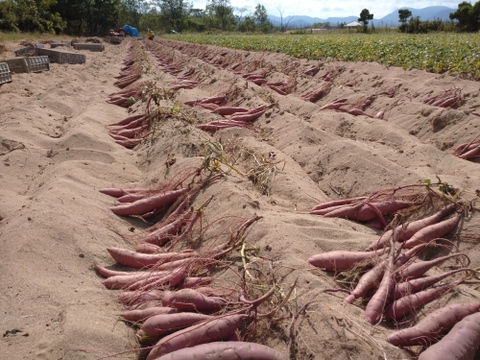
{"x": 457, "y": 54}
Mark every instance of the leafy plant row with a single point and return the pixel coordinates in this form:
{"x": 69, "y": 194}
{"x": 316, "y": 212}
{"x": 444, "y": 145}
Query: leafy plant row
{"x": 456, "y": 54}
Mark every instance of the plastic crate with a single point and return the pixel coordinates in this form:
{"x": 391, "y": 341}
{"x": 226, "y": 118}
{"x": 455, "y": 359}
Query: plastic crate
{"x": 5, "y": 74}
{"x": 38, "y": 63}
{"x": 61, "y": 56}
{"x": 65, "y": 44}
{"x": 28, "y": 50}
{"x": 114, "y": 39}
{"x": 89, "y": 46}
{"x": 17, "y": 66}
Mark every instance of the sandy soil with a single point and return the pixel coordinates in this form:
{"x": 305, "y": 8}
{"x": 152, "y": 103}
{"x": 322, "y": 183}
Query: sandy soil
{"x": 56, "y": 153}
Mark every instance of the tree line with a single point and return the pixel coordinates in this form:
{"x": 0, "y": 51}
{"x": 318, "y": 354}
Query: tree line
{"x": 466, "y": 17}
{"x": 92, "y": 17}
{"x": 96, "y": 17}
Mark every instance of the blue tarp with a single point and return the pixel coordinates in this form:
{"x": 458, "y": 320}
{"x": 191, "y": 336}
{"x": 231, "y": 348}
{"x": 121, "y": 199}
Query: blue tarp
{"x": 131, "y": 31}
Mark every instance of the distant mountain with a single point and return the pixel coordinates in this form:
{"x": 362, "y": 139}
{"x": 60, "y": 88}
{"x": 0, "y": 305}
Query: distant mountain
{"x": 302, "y": 21}
{"x": 429, "y": 13}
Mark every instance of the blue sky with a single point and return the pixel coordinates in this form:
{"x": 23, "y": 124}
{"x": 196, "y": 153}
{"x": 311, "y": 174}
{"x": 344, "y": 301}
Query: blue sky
{"x": 325, "y": 9}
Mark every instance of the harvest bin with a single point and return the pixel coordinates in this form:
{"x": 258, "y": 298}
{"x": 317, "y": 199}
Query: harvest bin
{"x": 17, "y": 66}
{"x": 89, "y": 46}
{"x": 54, "y": 45}
{"x": 38, "y": 63}
{"x": 5, "y": 75}
{"x": 28, "y": 50}
{"x": 29, "y": 64}
{"x": 61, "y": 56}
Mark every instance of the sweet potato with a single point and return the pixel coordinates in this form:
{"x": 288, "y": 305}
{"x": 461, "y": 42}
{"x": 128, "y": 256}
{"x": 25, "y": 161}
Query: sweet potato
{"x": 225, "y": 350}
{"x": 249, "y": 116}
{"x": 141, "y": 260}
{"x": 334, "y": 203}
{"x": 192, "y": 300}
{"x": 192, "y": 282}
{"x": 434, "y": 231}
{"x": 140, "y": 315}
{"x": 128, "y": 198}
{"x": 220, "y": 328}
{"x": 415, "y": 285}
{"x": 150, "y": 203}
{"x": 229, "y": 110}
{"x": 433, "y": 326}
{"x": 343, "y": 260}
{"x": 128, "y": 120}
{"x": 147, "y": 248}
{"x": 405, "y": 231}
{"x": 163, "y": 324}
{"x": 368, "y": 211}
{"x": 161, "y": 235}
{"x": 171, "y": 265}
{"x": 376, "y": 305}
{"x": 120, "y": 282}
{"x": 417, "y": 269}
{"x": 461, "y": 342}
{"x": 367, "y": 282}
{"x": 136, "y": 297}
{"x": 106, "y": 273}
{"x": 410, "y": 303}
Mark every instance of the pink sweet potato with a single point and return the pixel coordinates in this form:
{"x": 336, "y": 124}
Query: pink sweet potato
{"x": 192, "y": 300}
{"x": 141, "y": 260}
{"x": 461, "y": 342}
{"x": 140, "y": 315}
{"x": 220, "y": 328}
{"x": 225, "y": 350}
{"x": 150, "y": 203}
{"x": 434, "y": 231}
{"x": 163, "y": 324}
{"x": 343, "y": 260}
{"x": 433, "y": 326}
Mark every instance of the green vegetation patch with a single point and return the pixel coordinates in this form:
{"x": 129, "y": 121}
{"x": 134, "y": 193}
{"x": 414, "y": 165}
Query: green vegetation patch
{"x": 456, "y": 54}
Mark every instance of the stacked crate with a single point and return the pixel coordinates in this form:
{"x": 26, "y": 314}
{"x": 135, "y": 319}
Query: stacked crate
{"x": 17, "y": 66}
{"x": 5, "y": 74}
{"x": 61, "y": 56}
{"x": 65, "y": 44}
{"x": 29, "y": 64}
{"x": 89, "y": 46}
{"x": 29, "y": 50}
{"x": 38, "y": 63}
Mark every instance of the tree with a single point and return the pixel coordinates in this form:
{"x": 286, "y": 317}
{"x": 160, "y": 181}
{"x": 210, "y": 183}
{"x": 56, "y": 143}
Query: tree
{"x": 8, "y": 17}
{"x": 88, "y": 16}
{"x": 196, "y": 20}
{"x": 414, "y": 25}
{"x": 174, "y": 13}
{"x": 152, "y": 20}
{"x": 37, "y": 15}
{"x": 247, "y": 24}
{"x": 403, "y": 15}
{"x": 102, "y": 15}
{"x": 468, "y": 16}
{"x": 132, "y": 11}
{"x": 261, "y": 19}
{"x": 239, "y": 17}
{"x": 364, "y": 18}
{"x": 74, "y": 12}
{"x": 219, "y": 14}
